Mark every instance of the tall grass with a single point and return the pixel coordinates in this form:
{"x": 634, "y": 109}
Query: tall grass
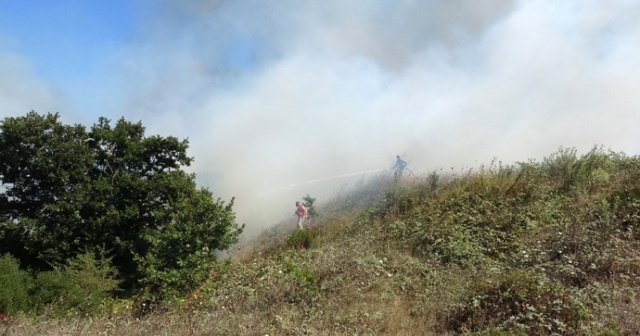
{"x": 548, "y": 247}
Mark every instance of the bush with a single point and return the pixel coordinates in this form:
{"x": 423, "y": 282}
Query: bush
{"x": 305, "y": 281}
{"x": 14, "y": 286}
{"x": 301, "y": 239}
{"x": 179, "y": 258}
{"x": 84, "y": 284}
{"x": 55, "y": 291}
{"x": 95, "y": 278}
{"x": 520, "y": 301}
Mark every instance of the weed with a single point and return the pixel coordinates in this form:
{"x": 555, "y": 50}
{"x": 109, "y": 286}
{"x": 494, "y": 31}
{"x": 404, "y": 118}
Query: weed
{"x": 301, "y": 239}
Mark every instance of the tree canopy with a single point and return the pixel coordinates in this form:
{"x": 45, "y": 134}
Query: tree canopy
{"x": 110, "y": 189}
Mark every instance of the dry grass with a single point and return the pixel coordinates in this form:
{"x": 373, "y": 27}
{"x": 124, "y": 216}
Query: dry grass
{"x": 363, "y": 276}
{"x": 359, "y": 285}
{"x": 627, "y": 310}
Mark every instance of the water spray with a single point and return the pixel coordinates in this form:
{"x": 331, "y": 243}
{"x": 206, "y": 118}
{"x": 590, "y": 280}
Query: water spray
{"x": 335, "y": 177}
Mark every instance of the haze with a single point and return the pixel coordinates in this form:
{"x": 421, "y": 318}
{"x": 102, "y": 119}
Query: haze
{"x": 288, "y": 98}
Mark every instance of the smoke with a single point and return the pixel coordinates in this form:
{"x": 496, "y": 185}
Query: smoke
{"x": 21, "y": 90}
{"x": 288, "y": 98}
{"x": 334, "y": 88}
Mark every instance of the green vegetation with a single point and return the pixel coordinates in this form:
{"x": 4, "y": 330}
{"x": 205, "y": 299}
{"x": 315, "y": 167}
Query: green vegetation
{"x": 91, "y": 215}
{"x": 301, "y": 239}
{"x": 14, "y": 286}
{"x": 536, "y": 248}
{"x": 309, "y": 203}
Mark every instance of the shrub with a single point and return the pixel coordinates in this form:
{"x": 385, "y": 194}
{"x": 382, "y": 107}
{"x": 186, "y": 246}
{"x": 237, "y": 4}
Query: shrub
{"x": 304, "y": 278}
{"x": 301, "y": 239}
{"x": 14, "y": 286}
{"x": 95, "y": 278}
{"x": 56, "y": 292}
{"x": 85, "y": 283}
{"x": 519, "y": 301}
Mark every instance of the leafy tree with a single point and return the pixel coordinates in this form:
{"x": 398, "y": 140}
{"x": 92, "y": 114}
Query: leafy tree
{"x": 43, "y": 165}
{"x": 67, "y": 190}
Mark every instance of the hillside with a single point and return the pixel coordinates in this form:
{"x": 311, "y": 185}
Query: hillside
{"x": 541, "y": 247}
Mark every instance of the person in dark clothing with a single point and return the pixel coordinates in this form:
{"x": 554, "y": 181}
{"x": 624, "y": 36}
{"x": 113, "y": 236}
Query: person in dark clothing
{"x": 399, "y": 167}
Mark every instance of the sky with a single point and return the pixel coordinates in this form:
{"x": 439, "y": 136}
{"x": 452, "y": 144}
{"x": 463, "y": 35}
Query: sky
{"x": 280, "y": 99}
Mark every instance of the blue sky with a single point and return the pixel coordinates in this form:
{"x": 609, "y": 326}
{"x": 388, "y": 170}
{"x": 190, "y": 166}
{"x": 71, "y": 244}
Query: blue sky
{"x": 67, "y": 38}
{"x": 79, "y": 46}
{"x": 68, "y": 43}
{"x": 274, "y": 94}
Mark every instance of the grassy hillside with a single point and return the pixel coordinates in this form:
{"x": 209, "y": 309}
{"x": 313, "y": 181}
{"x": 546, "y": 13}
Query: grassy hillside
{"x": 543, "y": 247}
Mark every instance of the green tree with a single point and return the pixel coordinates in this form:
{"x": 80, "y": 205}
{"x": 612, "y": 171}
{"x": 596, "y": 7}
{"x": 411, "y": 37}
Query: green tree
{"x": 43, "y": 167}
{"x": 67, "y": 190}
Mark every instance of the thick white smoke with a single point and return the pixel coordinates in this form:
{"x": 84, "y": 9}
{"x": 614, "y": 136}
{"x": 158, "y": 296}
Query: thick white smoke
{"x": 288, "y": 98}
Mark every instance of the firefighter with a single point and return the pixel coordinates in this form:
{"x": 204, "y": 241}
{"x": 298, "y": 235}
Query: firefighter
{"x": 399, "y": 167}
{"x": 301, "y": 213}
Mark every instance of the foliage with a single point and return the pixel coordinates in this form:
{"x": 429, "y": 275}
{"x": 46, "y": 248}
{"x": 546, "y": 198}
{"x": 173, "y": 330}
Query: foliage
{"x": 55, "y": 292}
{"x": 181, "y": 257}
{"x": 303, "y": 277}
{"x": 557, "y": 226}
{"x": 94, "y": 278}
{"x": 68, "y": 190}
{"x": 15, "y": 285}
{"x": 533, "y": 248}
{"x": 301, "y": 239}
{"x": 309, "y": 204}
{"x": 82, "y": 285}
{"x": 520, "y": 301}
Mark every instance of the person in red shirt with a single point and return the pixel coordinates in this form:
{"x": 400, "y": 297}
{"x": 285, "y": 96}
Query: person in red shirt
{"x": 301, "y": 213}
